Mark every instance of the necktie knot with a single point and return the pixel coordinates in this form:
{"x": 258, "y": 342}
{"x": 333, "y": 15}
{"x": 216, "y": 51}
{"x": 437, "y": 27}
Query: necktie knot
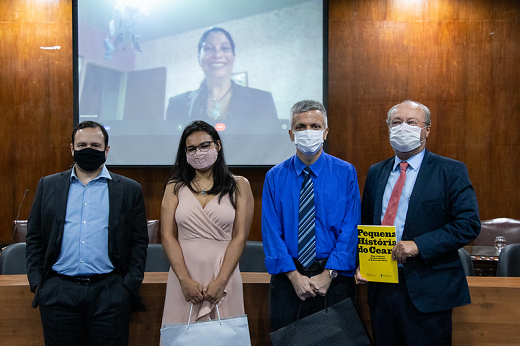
{"x": 403, "y": 165}
{"x": 307, "y": 171}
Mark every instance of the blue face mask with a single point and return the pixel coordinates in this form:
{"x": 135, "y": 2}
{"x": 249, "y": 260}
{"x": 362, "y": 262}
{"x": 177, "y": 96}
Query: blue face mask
{"x": 309, "y": 142}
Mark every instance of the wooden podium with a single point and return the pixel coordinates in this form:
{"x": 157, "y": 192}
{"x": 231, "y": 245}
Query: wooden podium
{"x": 20, "y": 324}
{"x": 492, "y": 318}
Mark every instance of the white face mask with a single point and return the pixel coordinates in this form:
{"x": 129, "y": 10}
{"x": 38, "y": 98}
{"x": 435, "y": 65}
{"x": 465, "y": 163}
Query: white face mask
{"x": 308, "y": 141}
{"x": 405, "y": 138}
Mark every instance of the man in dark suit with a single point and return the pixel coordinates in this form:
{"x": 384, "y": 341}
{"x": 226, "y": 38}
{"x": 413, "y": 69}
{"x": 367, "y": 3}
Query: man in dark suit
{"x": 86, "y": 247}
{"x": 435, "y": 214}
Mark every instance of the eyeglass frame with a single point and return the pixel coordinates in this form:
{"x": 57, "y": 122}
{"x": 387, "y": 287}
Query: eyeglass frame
{"x": 193, "y": 149}
{"x": 410, "y": 122}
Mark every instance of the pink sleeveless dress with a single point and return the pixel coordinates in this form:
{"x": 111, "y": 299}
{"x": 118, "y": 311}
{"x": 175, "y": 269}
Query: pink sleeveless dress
{"x": 204, "y": 235}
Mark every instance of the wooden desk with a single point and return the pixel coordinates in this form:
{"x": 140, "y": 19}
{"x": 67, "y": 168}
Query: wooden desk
{"x": 492, "y": 319}
{"x": 20, "y": 324}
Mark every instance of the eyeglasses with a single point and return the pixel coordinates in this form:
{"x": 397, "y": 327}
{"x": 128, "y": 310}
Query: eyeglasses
{"x": 410, "y": 122}
{"x": 203, "y": 147}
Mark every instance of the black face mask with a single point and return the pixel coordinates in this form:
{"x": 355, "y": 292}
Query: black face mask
{"x": 89, "y": 159}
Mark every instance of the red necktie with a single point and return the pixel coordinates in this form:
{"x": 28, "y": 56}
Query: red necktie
{"x": 393, "y": 204}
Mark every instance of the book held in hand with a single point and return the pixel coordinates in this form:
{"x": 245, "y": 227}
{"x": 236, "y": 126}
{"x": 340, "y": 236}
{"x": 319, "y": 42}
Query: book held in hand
{"x": 375, "y": 253}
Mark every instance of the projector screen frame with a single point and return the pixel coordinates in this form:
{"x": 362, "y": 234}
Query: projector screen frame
{"x": 76, "y": 87}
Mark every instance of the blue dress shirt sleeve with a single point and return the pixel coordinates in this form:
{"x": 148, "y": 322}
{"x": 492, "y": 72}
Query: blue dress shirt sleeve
{"x": 277, "y": 257}
{"x": 343, "y": 256}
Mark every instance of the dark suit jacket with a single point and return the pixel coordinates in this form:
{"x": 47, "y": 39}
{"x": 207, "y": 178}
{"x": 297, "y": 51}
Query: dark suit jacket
{"x": 442, "y": 217}
{"x": 246, "y": 103}
{"x": 127, "y": 232}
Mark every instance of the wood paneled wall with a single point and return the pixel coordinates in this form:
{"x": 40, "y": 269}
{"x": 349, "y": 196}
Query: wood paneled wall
{"x": 35, "y": 100}
{"x": 458, "y": 57}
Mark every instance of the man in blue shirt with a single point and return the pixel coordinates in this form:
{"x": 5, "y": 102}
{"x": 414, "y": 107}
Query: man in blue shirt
{"x": 435, "y": 213}
{"x": 86, "y": 247}
{"x": 309, "y": 224}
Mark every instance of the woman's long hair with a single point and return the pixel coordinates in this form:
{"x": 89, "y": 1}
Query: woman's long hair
{"x": 183, "y": 173}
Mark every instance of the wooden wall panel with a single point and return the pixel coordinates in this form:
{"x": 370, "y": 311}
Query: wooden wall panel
{"x": 35, "y": 99}
{"x": 458, "y": 57}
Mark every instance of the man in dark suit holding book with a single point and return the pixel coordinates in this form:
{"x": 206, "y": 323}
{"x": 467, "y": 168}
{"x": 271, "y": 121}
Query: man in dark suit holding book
{"x": 432, "y": 204}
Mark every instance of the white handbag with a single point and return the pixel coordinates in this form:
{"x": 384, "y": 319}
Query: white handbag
{"x": 233, "y": 331}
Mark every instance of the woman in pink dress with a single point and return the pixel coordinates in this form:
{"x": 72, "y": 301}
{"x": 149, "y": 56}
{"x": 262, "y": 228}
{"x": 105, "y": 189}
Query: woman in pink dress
{"x": 206, "y": 214}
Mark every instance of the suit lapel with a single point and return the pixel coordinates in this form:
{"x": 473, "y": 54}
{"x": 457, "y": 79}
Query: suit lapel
{"x": 383, "y": 178}
{"x": 417, "y": 192}
{"x": 193, "y": 99}
{"x": 238, "y": 103}
{"x": 61, "y": 196}
{"x": 115, "y": 199}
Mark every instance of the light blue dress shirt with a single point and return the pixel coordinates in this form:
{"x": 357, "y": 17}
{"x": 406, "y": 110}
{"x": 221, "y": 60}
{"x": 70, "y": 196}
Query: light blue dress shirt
{"x": 84, "y": 248}
{"x": 411, "y": 176}
{"x": 337, "y": 207}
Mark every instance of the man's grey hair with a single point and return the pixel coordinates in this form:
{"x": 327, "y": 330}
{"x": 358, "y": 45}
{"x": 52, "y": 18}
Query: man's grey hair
{"x": 426, "y": 111}
{"x": 307, "y": 106}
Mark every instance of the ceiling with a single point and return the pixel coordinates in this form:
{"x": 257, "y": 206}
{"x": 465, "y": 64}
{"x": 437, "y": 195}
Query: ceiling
{"x": 170, "y": 17}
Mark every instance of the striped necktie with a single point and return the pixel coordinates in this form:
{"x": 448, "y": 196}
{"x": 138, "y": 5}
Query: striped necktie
{"x": 306, "y": 224}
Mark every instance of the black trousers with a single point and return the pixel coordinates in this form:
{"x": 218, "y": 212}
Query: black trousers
{"x": 397, "y": 322}
{"x": 76, "y": 314}
{"x": 284, "y": 304}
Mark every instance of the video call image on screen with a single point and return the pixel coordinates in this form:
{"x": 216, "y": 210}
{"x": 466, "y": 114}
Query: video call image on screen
{"x": 142, "y": 75}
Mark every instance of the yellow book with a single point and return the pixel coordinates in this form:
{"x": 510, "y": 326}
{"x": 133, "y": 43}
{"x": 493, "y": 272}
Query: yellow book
{"x": 375, "y": 253}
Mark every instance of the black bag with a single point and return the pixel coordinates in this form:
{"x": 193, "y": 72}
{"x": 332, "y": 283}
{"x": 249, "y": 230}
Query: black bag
{"x": 338, "y": 324}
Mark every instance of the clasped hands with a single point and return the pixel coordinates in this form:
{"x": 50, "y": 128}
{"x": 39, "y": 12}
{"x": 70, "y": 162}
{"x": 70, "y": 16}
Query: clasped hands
{"x": 306, "y": 287}
{"x": 194, "y": 293}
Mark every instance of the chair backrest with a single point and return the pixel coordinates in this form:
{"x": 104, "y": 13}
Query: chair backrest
{"x": 20, "y": 231}
{"x": 467, "y": 263}
{"x": 12, "y": 259}
{"x": 509, "y": 261}
{"x": 156, "y": 259}
{"x": 253, "y": 257}
{"x": 154, "y": 231}
{"x": 509, "y": 228}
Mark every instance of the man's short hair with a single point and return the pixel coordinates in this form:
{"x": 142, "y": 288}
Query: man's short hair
{"x": 426, "y": 111}
{"x": 93, "y": 125}
{"x": 307, "y": 106}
